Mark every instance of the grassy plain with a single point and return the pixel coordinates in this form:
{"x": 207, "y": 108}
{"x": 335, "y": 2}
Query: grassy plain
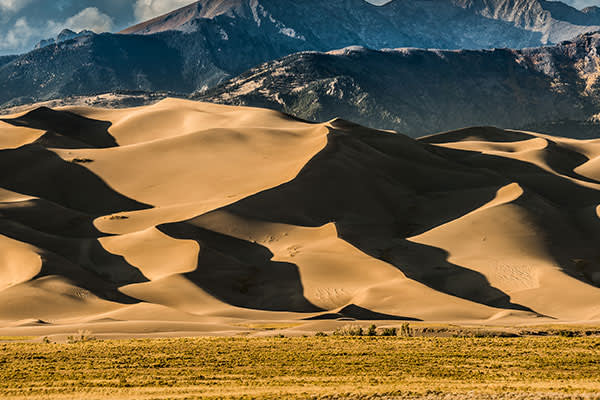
{"x": 332, "y": 367}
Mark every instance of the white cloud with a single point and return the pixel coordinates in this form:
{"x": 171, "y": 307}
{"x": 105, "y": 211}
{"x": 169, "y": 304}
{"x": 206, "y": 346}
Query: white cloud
{"x": 582, "y": 3}
{"x": 147, "y": 9}
{"x": 378, "y": 2}
{"x": 90, "y": 18}
{"x": 22, "y": 36}
{"x": 16, "y": 36}
{"x": 13, "y": 5}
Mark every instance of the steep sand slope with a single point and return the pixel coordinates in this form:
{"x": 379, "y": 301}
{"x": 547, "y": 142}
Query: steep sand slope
{"x": 195, "y": 217}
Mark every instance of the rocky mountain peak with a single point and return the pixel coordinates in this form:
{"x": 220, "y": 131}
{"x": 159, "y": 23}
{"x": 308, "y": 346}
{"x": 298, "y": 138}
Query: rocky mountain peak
{"x": 63, "y": 36}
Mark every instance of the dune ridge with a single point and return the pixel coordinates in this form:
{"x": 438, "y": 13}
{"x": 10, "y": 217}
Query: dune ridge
{"x": 199, "y": 217}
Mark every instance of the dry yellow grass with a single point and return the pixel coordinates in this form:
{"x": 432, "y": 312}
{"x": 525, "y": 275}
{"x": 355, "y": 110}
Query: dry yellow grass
{"x": 325, "y": 367}
{"x": 15, "y": 338}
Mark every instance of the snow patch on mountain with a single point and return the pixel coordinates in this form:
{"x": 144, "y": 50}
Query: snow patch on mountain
{"x": 254, "y": 8}
{"x": 348, "y": 50}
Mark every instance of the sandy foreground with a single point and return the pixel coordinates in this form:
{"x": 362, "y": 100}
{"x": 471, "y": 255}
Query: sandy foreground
{"x": 185, "y": 218}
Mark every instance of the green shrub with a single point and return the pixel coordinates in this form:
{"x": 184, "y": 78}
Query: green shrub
{"x": 389, "y": 332}
{"x": 349, "y": 330}
{"x": 81, "y": 336}
{"x": 372, "y": 330}
{"x": 82, "y": 161}
{"x": 406, "y": 330}
{"x": 566, "y": 333}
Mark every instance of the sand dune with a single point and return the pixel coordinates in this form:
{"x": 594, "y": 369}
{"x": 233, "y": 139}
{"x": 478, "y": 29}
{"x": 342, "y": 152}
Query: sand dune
{"x": 196, "y": 217}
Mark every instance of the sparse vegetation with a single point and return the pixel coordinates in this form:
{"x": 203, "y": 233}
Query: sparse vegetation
{"x": 118, "y": 217}
{"x": 82, "y": 161}
{"x": 81, "y": 336}
{"x": 552, "y": 367}
{"x": 15, "y": 338}
{"x": 349, "y": 330}
{"x": 372, "y": 330}
{"x": 270, "y": 326}
{"x": 405, "y": 330}
{"x": 389, "y": 332}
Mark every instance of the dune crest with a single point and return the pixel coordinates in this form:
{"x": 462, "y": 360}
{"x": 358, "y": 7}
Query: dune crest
{"x": 206, "y": 216}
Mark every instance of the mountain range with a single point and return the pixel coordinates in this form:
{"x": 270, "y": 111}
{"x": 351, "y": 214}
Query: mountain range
{"x": 63, "y": 36}
{"x": 210, "y": 41}
{"x": 549, "y": 89}
{"x": 422, "y": 91}
{"x": 448, "y": 24}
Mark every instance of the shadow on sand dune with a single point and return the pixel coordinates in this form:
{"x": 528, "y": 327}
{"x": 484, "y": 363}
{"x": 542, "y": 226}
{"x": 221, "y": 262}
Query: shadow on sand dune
{"x": 36, "y": 171}
{"x": 353, "y": 311}
{"x": 237, "y": 272}
{"x": 65, "y": 129}
{"x": 60, "y": 222}
{"x": 554, "y": 204}
{"x": 380, "y": 189}
{"x": 241, "y": 273}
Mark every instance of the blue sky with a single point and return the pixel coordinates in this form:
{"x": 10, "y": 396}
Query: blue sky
{"x": 23, "y": 23}
{"x": 582, "y": 3}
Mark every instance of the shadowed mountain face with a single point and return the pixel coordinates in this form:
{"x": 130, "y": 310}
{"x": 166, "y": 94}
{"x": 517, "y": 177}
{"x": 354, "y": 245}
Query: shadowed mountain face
{"x": 458, "y": 23}
{"x": 205, "y": 43}
{"x": 209, "y": 212}
{"x": 93, "y": 64}
{"x": 419, "y": 92}
{"x": 440, "y": 24}
{"x": 6, "y": 59}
